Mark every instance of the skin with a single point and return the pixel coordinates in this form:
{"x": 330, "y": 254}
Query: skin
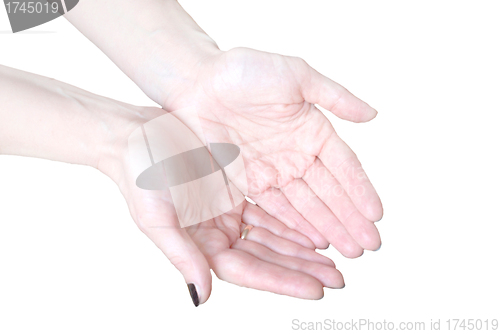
{"x": 298, "y": 169}
{"x": 296, "y": 163}
{"x": 44, "y": 118}
{"x": 275, "y": 262}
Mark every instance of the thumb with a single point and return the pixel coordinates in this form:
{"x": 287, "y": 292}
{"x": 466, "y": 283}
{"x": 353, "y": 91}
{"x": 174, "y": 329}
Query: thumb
{"x": 183, "y": 253}
{"x": 318, "y": 89}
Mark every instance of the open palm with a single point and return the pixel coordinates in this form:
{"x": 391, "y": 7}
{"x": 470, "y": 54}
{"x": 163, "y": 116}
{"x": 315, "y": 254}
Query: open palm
{"x": 272, "y": 258}
{"x": 297, "y": 168}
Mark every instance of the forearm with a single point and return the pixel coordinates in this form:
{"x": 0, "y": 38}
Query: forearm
{"x": 155, "y": 42}
{"x": 45, "y": 118}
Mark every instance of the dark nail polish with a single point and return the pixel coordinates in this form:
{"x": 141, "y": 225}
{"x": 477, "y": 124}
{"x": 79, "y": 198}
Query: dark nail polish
{"x": 194, "y": 294}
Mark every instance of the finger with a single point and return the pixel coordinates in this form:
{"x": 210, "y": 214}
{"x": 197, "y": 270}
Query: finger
{"x": 275, "y": 203}
{"x": 285, "y": 247}
{"x": 256, "y": 216}
{"x": 185, "y": 256}
{"x": 342, "y": 163}
{"x": 240, "y": 268}
{"x": 162, "y": 227}
{"x": 318, "y": 89}
{"x": 330, "y": 191}
{"x": 315, "y": 211}
{"x": 327, "y": 275}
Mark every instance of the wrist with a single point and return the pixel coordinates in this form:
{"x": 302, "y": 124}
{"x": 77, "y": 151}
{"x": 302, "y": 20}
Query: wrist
{"x": 158, "y": 45}
{"x": 117, "y": 121}
{"x": 168, "y": 52}
{"x": 169, "y": 70}
{"x": 48, "y": 119}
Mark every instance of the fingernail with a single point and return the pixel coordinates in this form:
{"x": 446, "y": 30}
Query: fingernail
{"x": 378, "y": 247}
{"x": 193, "y": 294}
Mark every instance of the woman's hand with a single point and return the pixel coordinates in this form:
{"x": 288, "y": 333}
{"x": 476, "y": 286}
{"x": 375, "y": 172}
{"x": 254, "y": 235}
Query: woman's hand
{"x": 298, "y": 169}
{"x": 272, "y": 258}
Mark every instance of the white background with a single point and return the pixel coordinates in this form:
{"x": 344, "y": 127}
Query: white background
{"x": 72, "y": 260}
